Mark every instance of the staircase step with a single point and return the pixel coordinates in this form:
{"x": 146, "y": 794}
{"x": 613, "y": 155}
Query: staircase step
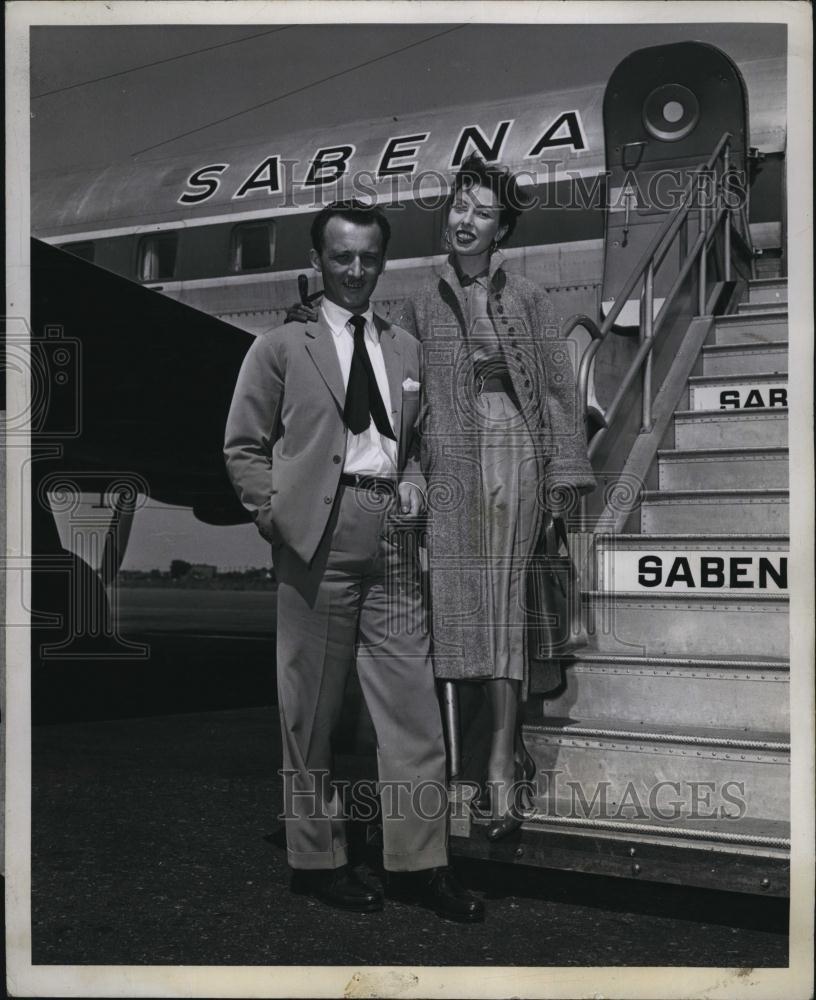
{"x": 764, "y": 328}
{"x": 766, "y": 427}
{"x": 685, "y": 563}
{"x": 738, "y": 392}
{"x": 752, "y": 625}
{"x": 669, "y": 691}
{"x": 714, "y": 511}
{"x": 768, "y": 290}
{"x": 749, "y": 308}
{"x": 769, "y": 267}
{"x": 723, "y": 468}
{"x": 700, "y": 853}
{"x": 707, "y": 846}
{"x": 731, "y": 359}
{"x": 628, "y": 772}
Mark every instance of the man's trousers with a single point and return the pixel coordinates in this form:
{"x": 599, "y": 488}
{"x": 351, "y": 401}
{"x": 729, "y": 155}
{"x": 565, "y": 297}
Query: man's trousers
{"x": 359, "y": 599}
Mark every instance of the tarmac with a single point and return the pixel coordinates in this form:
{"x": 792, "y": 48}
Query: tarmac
{"x": 156, "y": 841}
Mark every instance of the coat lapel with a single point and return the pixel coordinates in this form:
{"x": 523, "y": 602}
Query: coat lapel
{"x": 320, "y": 345}
{"x": 392, "y": 358}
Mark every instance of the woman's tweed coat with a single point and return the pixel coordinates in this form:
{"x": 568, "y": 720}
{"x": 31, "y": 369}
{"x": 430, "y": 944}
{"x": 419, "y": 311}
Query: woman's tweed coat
{"x": 544, "y": 380}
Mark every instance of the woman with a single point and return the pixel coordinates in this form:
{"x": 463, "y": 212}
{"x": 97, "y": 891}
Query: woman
{"x": 501, "y": 432}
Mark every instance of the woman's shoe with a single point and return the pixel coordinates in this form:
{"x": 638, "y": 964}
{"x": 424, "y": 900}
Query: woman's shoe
{"x": 482, "y": 800}
{"x": 513, "y": 818}
{"x": 527, "y": 764}
{"x": 503, "y": 827}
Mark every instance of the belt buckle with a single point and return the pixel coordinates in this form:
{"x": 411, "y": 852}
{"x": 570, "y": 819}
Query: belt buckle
{"x": 371, "y": 484}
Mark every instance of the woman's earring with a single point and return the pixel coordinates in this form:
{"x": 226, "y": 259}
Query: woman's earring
{"x": 446, "y": 241}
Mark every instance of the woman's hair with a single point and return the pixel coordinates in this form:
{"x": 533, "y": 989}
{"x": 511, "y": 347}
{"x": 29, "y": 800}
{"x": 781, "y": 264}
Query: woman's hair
{"x": 501, "y": 182}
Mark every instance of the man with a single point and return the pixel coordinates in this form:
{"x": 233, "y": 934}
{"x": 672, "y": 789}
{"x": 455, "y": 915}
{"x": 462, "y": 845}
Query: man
{"x": 320, "y": 446}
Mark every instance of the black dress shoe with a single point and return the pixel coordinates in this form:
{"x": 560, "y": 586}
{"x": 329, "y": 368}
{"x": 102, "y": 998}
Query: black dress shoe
{"x": 439, "y": 890}
{"x": 339, "y": 887}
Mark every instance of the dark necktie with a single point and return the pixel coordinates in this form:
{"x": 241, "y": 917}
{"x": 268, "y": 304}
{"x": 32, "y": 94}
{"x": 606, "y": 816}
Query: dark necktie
{"x": 363, "y": 399}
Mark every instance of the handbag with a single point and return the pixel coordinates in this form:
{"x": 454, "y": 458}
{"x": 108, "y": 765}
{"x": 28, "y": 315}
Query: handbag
{"x": 555, "y": 623}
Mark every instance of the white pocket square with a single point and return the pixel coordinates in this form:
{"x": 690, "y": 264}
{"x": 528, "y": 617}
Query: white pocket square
{"x": 409, "y": 385}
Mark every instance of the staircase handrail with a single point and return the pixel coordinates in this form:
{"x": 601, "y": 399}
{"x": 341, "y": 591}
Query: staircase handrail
{"x": 650, "y": 260}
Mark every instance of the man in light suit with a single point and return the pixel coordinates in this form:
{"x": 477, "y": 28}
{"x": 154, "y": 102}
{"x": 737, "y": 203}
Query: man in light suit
{"x": 320, "y": 445}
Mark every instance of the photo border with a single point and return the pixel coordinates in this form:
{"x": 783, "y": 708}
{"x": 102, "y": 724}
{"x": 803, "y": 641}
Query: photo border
{"x": 25, "y": 979}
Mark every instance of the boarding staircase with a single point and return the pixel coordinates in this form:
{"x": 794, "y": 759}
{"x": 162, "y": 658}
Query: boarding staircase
{"x": 686, "y": 683}
{"x": 665, "y": 752}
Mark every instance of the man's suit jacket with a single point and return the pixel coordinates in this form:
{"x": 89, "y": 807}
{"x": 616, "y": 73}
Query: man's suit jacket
{"x": 285, "y": 441}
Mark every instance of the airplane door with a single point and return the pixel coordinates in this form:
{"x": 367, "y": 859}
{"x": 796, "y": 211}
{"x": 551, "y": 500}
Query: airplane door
{"x": 664, "y": 111}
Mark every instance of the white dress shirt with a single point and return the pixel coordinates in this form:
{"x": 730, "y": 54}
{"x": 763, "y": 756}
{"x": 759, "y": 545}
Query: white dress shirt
{"x": 368, "y": 453}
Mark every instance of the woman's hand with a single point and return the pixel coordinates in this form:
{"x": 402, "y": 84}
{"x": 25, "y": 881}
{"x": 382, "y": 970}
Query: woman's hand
{"x": 412, "y": 501}
{"x": 301, "y": 313}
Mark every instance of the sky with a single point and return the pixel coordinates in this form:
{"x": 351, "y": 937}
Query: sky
{"x": 109, "y": 94}
{"x": 103, "y": 95}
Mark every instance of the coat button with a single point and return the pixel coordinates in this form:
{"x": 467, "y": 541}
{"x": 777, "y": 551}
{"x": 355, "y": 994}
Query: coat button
{"x": 336, "y": 459}
{"x": 518, "y": 358}
{"x": 526, "y": 382}
{"x": 512, "y": 329}
{"x": 327, "y": 499}
{"x": 500, "y": 309}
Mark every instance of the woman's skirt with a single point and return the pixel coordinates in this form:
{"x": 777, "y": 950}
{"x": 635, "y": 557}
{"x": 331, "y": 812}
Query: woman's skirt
{"x": 510, "y": 522}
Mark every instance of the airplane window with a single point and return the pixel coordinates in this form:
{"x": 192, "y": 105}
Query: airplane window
{"x": 253, "y": 246}
{"x": 85, "y": 249}
{"x": 158, "y": 257}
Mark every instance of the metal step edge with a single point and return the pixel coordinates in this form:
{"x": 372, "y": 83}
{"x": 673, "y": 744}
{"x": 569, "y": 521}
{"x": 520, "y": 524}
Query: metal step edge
{"x": 768, "y": 345}
{"x": 677, "y": 536}
{"x": 767, "y": 282}
{"x": 717, "y": 739}
{"x": 684, "y": 662}
{"x": 689, "y": 596}
{"x": 537, "y": 818}
{"x": 695, "y": 380}
{"x": 774, "y": 314}
{"x": 658, "y": 496}
{"x": 759, "y": 310}
{"x": 747, "y": 451}
{"x": 744, "y": 413}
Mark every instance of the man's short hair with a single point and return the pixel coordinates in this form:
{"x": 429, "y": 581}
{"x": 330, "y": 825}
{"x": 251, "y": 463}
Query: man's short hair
{"x": 501, "y": 182}
{"x": 358, "y": 212}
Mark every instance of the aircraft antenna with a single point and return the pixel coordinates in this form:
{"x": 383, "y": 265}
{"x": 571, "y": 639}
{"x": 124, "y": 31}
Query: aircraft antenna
{"x": 299, "y": 90}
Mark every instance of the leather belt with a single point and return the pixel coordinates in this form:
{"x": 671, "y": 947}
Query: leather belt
{"x": 359, "y": 481}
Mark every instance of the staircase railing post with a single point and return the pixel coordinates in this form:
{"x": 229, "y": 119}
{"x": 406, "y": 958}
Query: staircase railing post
{"x": 450, "y": 703}
{"x": 701, "y": 292}
{"x": 647, "y": 334}
{"x": 727, "y": 217}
